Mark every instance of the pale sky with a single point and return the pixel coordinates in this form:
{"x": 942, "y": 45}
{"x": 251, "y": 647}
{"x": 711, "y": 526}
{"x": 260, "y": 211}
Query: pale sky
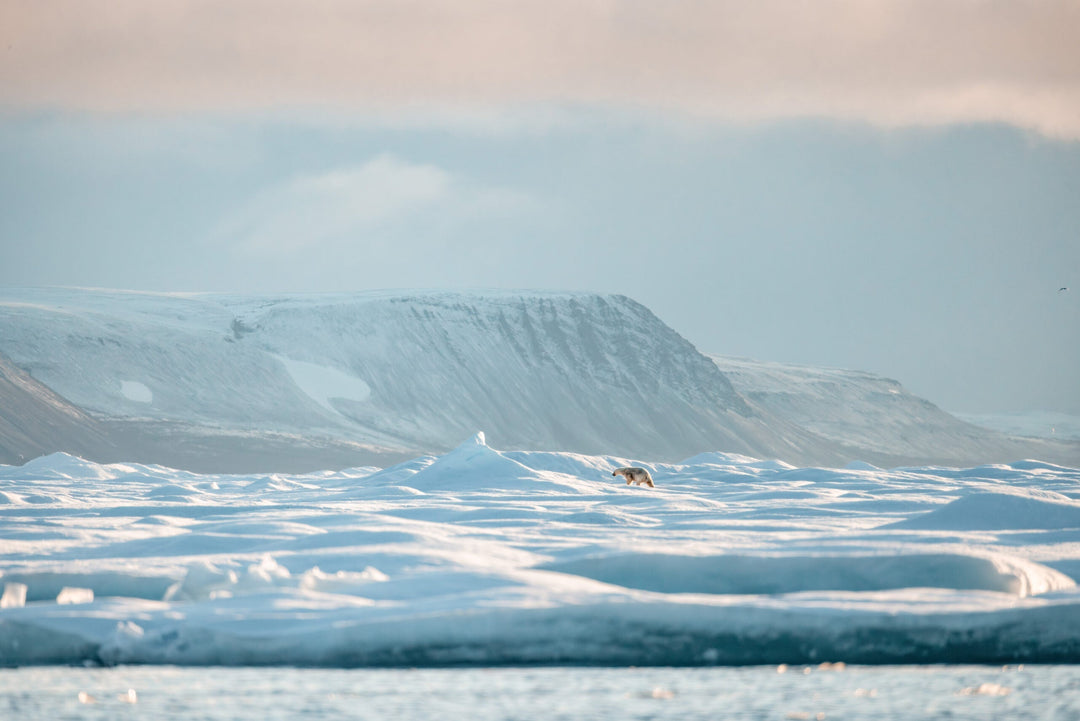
{"x": 888, "y": 186}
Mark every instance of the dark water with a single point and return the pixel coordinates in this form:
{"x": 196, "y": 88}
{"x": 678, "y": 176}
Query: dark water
{"x": 854, "y": 692}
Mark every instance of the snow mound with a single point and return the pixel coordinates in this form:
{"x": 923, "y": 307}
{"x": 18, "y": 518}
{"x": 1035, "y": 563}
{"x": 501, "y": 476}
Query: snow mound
{"x": 757, "y": 574}
{"x": 59, "y": 466}
{"x": 475, "y": 466}
{"x": 992, "y": 511}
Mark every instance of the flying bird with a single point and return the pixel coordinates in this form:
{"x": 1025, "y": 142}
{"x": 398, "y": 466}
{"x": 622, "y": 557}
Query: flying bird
{"x": 1061, "y": 289}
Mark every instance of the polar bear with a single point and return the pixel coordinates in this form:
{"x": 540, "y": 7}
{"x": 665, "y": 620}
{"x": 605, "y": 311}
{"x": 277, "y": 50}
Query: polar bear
{"x": 634, "y": 475}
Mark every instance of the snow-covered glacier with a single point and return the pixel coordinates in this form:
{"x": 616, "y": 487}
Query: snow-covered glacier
{"x": 395, "y": 374}
{"x": 876, "y": 419}
{"x": 298, "y": 382}
{"x": 484, "y": 556}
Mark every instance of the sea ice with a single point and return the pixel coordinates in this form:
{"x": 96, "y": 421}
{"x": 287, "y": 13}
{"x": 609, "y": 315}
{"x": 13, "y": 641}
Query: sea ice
{"x": 484, "y": 556}
{"x": 14, "y": 595}
{"x": 69, "y": 595}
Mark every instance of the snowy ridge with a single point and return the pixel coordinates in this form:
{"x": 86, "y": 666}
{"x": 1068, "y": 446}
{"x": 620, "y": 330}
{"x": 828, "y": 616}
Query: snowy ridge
{"x": 481, "y": 556}
{"x": 874, "y": 418}
{"x": 401, "y": 373}
{"x": 297, "y": 382}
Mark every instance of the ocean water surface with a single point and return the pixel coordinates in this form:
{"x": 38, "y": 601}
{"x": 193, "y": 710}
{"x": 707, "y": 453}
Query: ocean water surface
{"x": 489, "y": 694}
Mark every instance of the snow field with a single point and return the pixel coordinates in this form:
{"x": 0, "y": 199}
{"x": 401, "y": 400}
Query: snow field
{"x": 482, "y": 556}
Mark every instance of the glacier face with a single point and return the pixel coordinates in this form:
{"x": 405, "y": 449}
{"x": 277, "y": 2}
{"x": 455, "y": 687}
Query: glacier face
{"x": 219, "y": 382}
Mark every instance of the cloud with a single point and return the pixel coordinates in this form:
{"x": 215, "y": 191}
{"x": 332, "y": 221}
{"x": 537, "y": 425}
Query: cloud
{"x": 382, "y": 203}
{"x": 888, "y": 62}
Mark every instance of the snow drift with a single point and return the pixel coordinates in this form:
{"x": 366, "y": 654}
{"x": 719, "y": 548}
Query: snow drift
{"x": 1002, "y": 509}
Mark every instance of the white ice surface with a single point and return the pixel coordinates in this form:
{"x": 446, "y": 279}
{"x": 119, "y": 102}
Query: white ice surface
{"x": 486, "y": 556}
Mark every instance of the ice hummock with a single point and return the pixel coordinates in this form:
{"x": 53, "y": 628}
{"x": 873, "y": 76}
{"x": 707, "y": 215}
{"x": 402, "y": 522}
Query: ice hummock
{"x": 483, "y": 556}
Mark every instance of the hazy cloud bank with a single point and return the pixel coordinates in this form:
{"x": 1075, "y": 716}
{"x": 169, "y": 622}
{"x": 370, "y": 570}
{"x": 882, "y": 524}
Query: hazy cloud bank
{"x": 893, "y": 62}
